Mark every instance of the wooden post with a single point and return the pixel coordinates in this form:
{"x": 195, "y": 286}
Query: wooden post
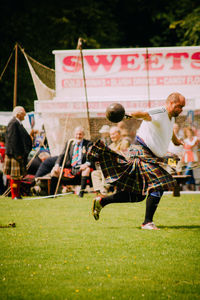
{"x": 15, "y": 77}
{"x": 148, "y": 86}
{"x": 79, "y": 46}
{"x": 63, "y": 164}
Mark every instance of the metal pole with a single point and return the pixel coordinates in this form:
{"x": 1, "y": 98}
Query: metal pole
{"x": 15, "y": 77}
{"x": 79, "y": 46}
{"x": 49, "y": 196}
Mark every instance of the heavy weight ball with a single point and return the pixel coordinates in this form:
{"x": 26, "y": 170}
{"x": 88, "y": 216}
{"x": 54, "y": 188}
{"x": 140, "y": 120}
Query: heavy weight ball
{"x": 115, "y": 112}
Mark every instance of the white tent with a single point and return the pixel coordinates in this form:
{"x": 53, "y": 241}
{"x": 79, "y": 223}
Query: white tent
{"x": 5, "y": 118}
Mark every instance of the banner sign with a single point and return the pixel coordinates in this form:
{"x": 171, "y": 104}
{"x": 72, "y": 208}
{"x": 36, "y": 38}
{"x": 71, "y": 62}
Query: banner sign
{"x": 96, "y": 108}
{"x": 134, "y": 74}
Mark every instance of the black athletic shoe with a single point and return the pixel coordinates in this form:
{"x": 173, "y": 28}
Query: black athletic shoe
{"x": 96, "y": 208}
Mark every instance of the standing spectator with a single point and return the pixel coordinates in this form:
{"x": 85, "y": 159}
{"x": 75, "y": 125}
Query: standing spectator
{"x": 18, "y": 145}
{"x": 177, "y": 150}
{"x": 3, "y": 180}
{"x": 190, "y": 146}
{"x": 33, "y": 135}
{"x": 39, "y": 139}
{"x": 75, "y": 161}
{"x": 2, "y": 149}
{"x": 190, "y": 155}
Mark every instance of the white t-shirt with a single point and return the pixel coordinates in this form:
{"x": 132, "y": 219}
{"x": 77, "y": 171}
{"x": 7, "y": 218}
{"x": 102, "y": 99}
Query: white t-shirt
{"x": 157, "y": 133}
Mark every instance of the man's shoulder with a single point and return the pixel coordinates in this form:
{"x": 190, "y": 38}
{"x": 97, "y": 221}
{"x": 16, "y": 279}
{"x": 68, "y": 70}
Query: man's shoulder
{"x": 13, "y": 126}
{"x": 157, "y": 110}
{"x": 13, "y": 121}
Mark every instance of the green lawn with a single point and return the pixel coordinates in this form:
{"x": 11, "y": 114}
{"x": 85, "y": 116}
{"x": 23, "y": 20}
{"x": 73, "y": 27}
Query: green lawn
{"x": 58, "y": 251}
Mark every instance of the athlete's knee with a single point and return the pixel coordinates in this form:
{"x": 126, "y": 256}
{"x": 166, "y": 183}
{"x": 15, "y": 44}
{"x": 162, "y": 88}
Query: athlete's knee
{"x": 136, "y": 197}
{"x": 157, "y": 194}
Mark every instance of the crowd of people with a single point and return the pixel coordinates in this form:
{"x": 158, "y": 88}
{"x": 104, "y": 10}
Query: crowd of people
{"x": 23, "y": 154}
{"x": 188, "y": 153}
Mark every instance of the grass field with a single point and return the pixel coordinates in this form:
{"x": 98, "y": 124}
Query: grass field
{"x": 58, "y": 251}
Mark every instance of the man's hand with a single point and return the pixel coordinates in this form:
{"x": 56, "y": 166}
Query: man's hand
{"x": 147, "y": 117}
{"x": 176, "y": 140}
{"x": 55, "y": 171}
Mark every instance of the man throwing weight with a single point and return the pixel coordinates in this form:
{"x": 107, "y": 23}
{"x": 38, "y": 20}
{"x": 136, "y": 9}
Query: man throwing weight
{"x": 141, "y": 175}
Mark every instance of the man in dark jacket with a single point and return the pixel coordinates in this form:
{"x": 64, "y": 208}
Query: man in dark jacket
{"x": 18, "y": 144}
{"x": 75, "y": 161}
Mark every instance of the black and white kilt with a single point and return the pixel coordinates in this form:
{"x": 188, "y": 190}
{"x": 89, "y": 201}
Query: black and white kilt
{"x": 139, "y": 172}
{"x": 15, "y": 168}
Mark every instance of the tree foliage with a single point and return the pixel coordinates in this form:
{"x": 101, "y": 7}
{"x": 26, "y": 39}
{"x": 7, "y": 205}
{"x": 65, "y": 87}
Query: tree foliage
{"x": 41, "y": 27}
{"x": 188, "y": 28}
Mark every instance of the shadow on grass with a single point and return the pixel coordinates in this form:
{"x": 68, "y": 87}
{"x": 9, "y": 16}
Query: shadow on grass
{"x": 189, "y": 227}
{"x": 180, "y": 227}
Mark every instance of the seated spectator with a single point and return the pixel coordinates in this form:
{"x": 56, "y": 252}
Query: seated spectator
{"x": 105, "y": 134}
{"x": 41, "y": 186}
{"x": 37, "y": 161}
{"x": 128, "y": 129}
{"x": 46, "y": 167}
{"x": 29, "y": 179}
{"x": 75, "y": 163}
{"x": 126, "y": 141}
{"x": 119, "y": 145}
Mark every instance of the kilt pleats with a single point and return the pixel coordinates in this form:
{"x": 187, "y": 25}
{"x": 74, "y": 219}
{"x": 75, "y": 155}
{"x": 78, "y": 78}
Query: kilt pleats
{"x": 140, "y": 171}
{"x": 14, "y": 168}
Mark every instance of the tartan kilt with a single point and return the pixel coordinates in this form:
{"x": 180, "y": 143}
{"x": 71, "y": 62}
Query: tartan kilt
{"x": 15, "y": 168}
{"x": 139, "y": 172}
